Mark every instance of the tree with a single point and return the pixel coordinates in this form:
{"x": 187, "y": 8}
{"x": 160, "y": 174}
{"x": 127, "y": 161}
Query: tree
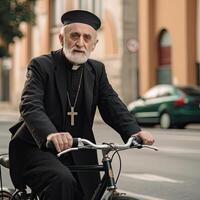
{"x": 12, "y": 14}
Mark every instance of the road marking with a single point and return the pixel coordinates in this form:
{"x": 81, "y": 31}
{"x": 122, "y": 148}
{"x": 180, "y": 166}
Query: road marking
{"x": 187, "y": 138}
{"x": 178, "y": 150}
{"x": 139, "y": 196}
{"x": 3, "y": 150}
{"x": 8, "y": 118}
{"x": 151, "y": 177}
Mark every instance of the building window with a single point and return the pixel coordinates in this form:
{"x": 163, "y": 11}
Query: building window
{"x": 5, "y": 80}
{"x": 58, "y": 8}
{"x": 198, "y": 42}
{"x": 164, "y": 50}
{"x": 94, "y": 6}
{"x": 164, "y": 58}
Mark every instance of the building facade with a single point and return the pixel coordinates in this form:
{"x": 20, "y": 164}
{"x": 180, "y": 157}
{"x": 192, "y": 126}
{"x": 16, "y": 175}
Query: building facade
{"x": 43, "y": 37}
{"x": 169, "y": 44}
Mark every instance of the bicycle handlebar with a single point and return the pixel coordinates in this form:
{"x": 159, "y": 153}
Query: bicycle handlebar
{"x": 79, "y": 143}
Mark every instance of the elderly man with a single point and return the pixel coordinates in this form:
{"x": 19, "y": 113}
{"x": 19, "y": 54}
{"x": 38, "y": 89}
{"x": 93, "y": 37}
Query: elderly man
{"x": 58, "y": 103}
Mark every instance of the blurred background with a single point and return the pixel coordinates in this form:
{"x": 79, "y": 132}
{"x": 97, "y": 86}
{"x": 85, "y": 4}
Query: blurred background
{"x": 142, "y": 43}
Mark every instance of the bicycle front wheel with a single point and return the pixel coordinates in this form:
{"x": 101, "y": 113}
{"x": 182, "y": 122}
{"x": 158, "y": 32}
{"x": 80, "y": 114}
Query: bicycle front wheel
{"x": 5, "y": 195}
{"x": 8, "y": 194}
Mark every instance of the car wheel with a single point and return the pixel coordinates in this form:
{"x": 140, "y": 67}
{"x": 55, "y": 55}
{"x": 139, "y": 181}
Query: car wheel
{"x": 165, "y": 121}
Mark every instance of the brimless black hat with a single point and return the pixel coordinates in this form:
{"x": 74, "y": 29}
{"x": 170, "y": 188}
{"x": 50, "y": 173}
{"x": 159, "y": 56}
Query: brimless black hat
{"x": 81, "y": 16}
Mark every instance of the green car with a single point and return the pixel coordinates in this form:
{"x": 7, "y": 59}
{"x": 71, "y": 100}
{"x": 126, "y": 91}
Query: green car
{"x": 168, "y": 105}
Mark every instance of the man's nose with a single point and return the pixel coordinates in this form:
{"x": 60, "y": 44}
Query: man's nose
{"x": 80, "y": 42}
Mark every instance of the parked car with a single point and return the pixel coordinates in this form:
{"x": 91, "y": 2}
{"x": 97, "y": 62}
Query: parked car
{"x": 168, "y": 105}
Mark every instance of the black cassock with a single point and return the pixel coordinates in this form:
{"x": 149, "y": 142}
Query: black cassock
{"x": 44, "y": 106}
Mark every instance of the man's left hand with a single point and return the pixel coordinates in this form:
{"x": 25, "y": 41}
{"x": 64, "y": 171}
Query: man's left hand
{"x": 146, "y": 137}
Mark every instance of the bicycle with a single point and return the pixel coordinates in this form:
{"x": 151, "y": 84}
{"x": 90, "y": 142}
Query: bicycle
{"x": 107, "y": 182}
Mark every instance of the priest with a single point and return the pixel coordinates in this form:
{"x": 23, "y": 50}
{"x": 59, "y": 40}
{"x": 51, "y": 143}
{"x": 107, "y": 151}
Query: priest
{"x": 58, "y": 102}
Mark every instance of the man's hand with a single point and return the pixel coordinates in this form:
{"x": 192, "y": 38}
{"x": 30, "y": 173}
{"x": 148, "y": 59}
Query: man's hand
{"x": 61, "y": 140}
{"x": 146, "y": 137}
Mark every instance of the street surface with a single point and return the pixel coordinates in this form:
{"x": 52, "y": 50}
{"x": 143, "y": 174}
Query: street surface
{"x": 172, "y": 173}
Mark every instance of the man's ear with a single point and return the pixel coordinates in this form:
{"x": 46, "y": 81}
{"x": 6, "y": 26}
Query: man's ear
{"x": 95, "y": 44}
{"x": 61, "y": 39}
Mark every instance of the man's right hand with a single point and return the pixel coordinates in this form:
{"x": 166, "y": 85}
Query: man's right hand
{"x": 61, "y": 141}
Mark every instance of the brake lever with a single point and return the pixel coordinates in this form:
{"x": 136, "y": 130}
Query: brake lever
{"x": 136, "y": 142}
{"x": 73, "y": 149}
{"x": 150, "y": 147}
{"x": 67, "y": 151}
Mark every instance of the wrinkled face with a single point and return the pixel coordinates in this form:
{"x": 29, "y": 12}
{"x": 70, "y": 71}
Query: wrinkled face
{"x": 78, "y": 41}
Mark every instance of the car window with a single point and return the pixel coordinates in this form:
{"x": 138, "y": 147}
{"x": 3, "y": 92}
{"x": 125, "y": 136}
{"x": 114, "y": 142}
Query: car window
{"x": 165, "y": 91}
{"x": 152, "y": 93}
{"x": 191, "y": 91}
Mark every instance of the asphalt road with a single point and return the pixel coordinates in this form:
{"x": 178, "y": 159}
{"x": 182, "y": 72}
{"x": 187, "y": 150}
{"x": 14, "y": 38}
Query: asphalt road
{"x": 172, "y": 173}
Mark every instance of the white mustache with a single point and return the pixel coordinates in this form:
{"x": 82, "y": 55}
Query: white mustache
{"x": 79, "y": 50}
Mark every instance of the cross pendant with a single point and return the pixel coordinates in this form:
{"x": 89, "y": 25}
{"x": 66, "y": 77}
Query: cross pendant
{"x": 72, "y": 114}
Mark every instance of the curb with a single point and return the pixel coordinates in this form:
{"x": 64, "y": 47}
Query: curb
{"x": 14, "y": 116}
{"x": 9, "y": 116}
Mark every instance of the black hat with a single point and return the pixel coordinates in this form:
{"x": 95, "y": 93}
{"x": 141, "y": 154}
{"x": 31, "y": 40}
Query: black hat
{"x": 81, "y": 16}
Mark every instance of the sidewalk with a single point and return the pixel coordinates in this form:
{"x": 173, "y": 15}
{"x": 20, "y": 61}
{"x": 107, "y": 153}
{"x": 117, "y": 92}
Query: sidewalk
{"x": 10, "y": 116}
{"x": 13, "y": 116}
{"x": 193, "y": 126}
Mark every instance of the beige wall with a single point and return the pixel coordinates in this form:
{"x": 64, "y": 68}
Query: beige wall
{"x": 42, "y": 38}
{"x": 198, "y": 31}
{"x": 21, "y": 55}
{"x": 179, "y": 18}
{"x": 183, "y": 36}
{"x": 34, "y": 43}
{"x": 147, "y": 45}
{"x": 41, "y": 32}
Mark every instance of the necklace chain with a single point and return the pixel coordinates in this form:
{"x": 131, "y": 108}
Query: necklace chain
{"x": 79, "y": 86}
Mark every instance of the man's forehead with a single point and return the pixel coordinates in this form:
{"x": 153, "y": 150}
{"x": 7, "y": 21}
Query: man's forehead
{"x": 80, "y": 27}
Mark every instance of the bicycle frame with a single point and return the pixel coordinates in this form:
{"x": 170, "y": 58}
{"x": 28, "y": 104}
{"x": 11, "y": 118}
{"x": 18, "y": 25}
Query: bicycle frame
{"x": 107, "y": 181}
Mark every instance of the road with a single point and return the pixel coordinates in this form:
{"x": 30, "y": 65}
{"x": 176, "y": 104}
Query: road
{"x": 172, "y": 173}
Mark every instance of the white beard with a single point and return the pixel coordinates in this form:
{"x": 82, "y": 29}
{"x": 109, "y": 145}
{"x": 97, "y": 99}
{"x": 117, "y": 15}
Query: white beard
{"x": 76, "y": 58}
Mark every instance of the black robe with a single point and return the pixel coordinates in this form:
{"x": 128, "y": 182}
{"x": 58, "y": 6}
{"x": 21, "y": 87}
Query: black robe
{"x": 43, "y": 111}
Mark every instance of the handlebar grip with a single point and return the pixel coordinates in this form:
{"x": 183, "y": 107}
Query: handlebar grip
{"x": 137, "y": 142}
{"x": 49, "y": 144}
{"x": 50, "y": 147}
{"x": 75, "y": 142}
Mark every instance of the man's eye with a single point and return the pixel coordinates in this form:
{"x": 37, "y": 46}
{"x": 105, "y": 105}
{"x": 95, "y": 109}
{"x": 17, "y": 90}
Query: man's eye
{"x": 74, "y": 36}
{"x": 87, "y": 37}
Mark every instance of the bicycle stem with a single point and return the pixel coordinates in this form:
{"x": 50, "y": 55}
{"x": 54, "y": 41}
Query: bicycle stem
{"x": 111, "y": 185}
